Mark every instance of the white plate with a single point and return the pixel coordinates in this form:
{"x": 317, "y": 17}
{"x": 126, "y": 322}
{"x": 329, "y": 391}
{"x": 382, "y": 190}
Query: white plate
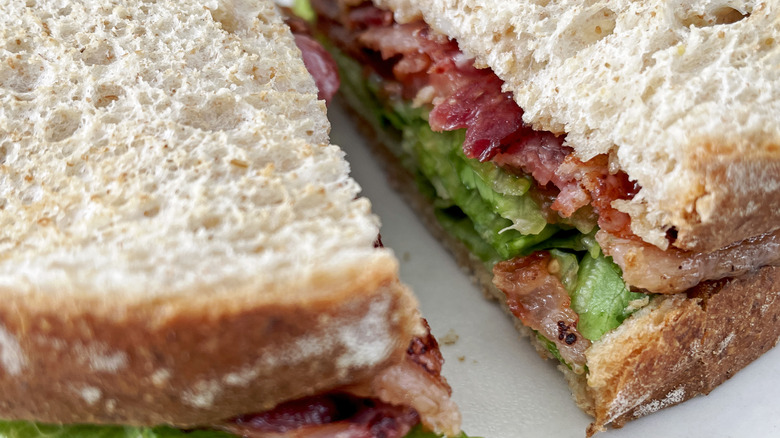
{"x": 503, "y": 388}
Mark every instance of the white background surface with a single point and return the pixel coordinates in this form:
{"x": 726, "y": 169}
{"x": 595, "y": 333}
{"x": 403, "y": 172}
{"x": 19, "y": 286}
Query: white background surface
{"x": 502, "y": 386}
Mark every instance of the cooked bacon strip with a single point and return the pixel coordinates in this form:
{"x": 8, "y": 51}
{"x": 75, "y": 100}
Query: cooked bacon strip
{"x": 369, "y": 15}
{"x": 387, "y": 406}
{"x": 464, "y": 97}
{"x": 540, "y": 301}
{"x": 648, "y": 267}
{"x": 320, "y": 65}
{"x": 488, "y": 115}
{"x": 414, "y": 57}
{"x": 540, "y": 155}
{"x": 317, "y": 60}
{"x": 593, "y": 179}
{"x": 417, "y": 382}
{"x": 330, "y": 415}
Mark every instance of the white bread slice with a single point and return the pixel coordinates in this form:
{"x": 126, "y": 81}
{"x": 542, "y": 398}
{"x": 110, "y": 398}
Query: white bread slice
{"x": 178, "y": 242}
{"x": 683, "y": 96}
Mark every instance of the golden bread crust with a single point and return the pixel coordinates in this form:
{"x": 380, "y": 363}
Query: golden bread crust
{"x": 736, "y": 197}
{"x": 170, "y": 364}
{"x": 683, "y": 346}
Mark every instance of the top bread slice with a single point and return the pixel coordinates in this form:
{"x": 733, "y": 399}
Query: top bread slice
{"x": 178, "y": 241}
{"x": 683, "y": 96}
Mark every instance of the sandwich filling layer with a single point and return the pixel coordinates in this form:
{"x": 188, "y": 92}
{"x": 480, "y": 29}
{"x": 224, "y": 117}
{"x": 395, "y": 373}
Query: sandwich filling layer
{"x": 508, "y": 191}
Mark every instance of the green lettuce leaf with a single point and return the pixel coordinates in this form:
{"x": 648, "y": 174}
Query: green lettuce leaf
{"x": 568, "y": 267}
{"x": 601, "y": 298}
{"x": 572, "y": 240}
{"x": 303, "y": 9}
{"x": 23, "y": 429}
{"x": 459, "y": 225}
{"x": 551, "y": 347}
{"x": 418, "y": 432}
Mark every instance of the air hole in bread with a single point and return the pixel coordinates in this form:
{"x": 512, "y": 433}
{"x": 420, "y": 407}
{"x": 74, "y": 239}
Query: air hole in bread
{"x": 220, "y": 113}
{"x": 17, "y": 45}
{"x": 31, "y": 194}
{"x": 65, "y": 11}
{"x": 149, "y": 205}
{"x": 206, "y": 222}
{"x": 98, "y": 53}
{"x": 722, "y": 15}
{"x": 119, "y": 28}
{"x": 110, "y": 118}
{"x": 20, "y": 74}
{"x": 727, "y": 15}
{"x": 66, "y": 31}
{"x": 651, "y": 88}
{"x": 152, "y": 211}
{"x": 586, "y": 30}
{"x": 75, "y": 169}
{"x": 105, "y": 94}
{"x": 602, "y": 24}
{"x": 225, "y": 17}
{"x": 67, "y": 150}
{"x": 62, "y": 124}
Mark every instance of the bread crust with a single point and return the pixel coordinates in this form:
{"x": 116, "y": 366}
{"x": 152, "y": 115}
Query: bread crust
{"x": 188, "y": 363}
{"x": 683, "y": 346}
{"x": 738, "y": 197}
{"x": 678, "y": 347}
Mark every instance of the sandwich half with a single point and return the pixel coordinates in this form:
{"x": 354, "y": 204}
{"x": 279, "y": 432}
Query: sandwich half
{"x": 610, "y": 172}
{"x": 180, "y": 245}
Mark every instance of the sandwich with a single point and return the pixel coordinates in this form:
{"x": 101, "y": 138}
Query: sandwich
{"x": 182, "y": 252}
{"x": 609, "y": 172}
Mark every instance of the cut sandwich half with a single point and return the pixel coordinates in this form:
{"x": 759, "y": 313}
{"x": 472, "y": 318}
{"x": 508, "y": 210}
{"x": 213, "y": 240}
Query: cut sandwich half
{"x": 605, "y": 171}
{"x": 180, "y": 246}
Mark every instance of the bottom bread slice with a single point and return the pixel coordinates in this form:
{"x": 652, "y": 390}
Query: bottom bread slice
{"x": 674, "y": 349}
{"x": 200, "y": 359}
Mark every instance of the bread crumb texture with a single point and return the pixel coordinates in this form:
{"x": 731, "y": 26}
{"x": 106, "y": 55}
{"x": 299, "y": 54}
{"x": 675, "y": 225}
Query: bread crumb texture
{"x": 147, "y": 148}
{"x": 682, "y": 95}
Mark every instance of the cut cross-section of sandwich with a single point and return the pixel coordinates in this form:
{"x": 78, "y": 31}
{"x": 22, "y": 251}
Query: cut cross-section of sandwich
{"x": 181, "y": 246}
{"x": 609, "y": 171}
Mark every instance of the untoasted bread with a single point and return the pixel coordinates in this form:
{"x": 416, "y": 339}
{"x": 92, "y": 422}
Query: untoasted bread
{"x": 178, "y": 242}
